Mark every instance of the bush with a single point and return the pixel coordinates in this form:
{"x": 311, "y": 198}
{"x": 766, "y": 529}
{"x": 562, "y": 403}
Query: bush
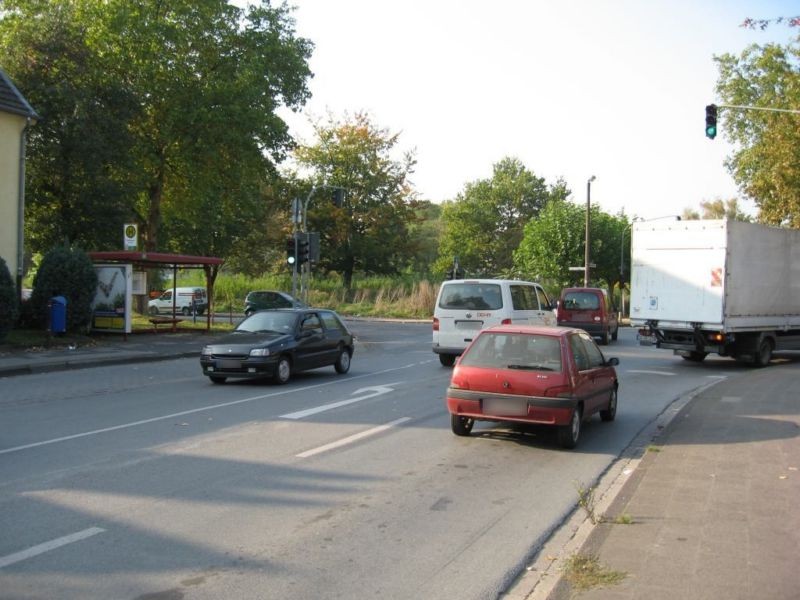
{"x": 67, "y": 272}
{"x": 8, "y": 300}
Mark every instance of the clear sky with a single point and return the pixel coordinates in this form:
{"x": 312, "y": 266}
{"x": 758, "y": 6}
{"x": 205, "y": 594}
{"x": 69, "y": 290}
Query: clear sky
{"x": 615, "y": 89}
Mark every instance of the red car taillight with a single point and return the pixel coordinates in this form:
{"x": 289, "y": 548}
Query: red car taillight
{"x": 505, "y": 322}
{"x": 435, "y": 324}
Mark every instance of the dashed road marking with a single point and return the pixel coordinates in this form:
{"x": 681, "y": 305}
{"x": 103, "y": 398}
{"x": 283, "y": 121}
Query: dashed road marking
{"x": 353, "y": 438}
{"x": 48, "y": 546}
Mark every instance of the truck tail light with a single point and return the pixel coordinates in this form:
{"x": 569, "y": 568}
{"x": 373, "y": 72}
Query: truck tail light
{"x": 435, "y": 324}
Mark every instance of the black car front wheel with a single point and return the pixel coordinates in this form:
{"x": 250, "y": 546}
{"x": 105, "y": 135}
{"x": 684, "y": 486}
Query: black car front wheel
{"x": 284, "y": 370}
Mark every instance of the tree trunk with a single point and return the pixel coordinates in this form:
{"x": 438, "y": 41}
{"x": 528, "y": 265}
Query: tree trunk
{"x": 155, "y": 194}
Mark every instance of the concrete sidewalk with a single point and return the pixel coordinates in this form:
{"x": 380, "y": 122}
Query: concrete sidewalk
{"x": 714, "y": 502}
{"x": 105, "y": 350}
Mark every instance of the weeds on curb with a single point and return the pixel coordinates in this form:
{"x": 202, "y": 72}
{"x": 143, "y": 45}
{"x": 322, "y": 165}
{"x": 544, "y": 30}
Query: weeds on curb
{"x": 652, "y": 448}
{"x": 587, "y": 502}
{"x": 623, "y": 519}
{"x": 585, "y": 572}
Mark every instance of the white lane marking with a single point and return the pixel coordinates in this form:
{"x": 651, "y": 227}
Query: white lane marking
{"x": 47, "y": 546}
{"x": 202, "y": 409}
{"x": 650, "y": 372}
{"x": 377, "y": 390}
{"x": 352, "y": 438}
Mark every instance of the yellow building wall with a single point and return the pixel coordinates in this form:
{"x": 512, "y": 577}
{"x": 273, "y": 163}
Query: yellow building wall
{"x": 11, "y": 127}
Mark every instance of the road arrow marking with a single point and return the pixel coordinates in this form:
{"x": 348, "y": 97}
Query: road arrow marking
{"x": 369, "y": 392}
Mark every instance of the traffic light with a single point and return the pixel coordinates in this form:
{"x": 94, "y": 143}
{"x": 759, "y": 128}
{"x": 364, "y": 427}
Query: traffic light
{"x": 711, "y": 121}
{"x": 302, "y": 250}
{"x": 290, "y": 251}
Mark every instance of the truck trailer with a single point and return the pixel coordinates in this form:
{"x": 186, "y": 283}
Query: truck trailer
{"x": 716, "y": 286}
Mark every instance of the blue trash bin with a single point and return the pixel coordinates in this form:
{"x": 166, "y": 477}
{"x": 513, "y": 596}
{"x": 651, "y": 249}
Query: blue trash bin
{"x": 57, "y": 307}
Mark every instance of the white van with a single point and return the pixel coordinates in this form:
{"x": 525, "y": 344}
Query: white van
{"x": 465, "y": 306}
{"x": 183, "y": 301}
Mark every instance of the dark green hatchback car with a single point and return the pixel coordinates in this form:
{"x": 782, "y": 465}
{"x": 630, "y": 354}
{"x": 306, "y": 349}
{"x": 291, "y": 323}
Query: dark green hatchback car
{"x": 276, "y": 343}
{"x": 266, "y": 299}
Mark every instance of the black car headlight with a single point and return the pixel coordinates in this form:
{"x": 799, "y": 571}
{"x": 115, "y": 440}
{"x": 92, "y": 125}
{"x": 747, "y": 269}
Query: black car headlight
{"x": 259, "y": 352}
{"x": 206, "y": 351}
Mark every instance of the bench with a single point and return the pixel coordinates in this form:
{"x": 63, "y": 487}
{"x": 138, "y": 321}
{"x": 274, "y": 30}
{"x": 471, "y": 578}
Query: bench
{"x": 156, "y": 321}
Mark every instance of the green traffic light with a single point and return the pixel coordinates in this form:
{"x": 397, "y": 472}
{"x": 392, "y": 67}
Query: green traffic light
{"x": 711, "y": 121}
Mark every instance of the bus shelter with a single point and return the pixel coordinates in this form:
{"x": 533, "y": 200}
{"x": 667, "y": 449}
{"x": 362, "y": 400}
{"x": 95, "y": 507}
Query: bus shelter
{"x": 160, "y": 260}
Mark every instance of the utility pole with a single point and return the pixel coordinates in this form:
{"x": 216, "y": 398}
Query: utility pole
{"x": 588, "y": 237}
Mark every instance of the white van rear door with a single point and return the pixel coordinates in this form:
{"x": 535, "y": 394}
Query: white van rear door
{"x": 530, "y": 305}
{"x": 464, "y": 308}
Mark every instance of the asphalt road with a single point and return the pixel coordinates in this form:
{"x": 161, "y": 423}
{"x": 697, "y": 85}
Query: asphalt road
{"x": 148, "y": 482}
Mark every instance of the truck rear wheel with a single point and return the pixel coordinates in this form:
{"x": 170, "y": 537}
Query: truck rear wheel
{"x": 764, "y": 354}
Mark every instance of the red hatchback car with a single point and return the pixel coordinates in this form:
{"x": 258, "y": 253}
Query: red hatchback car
{"x": 541, "y": 375}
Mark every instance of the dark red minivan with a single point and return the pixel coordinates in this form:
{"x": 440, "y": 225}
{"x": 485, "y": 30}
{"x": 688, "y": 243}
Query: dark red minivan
{"x": 589, "y": 309}
{"x": 526, "y": 374}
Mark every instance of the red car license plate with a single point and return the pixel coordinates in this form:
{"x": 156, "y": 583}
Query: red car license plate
{"x": 505, "y": 407}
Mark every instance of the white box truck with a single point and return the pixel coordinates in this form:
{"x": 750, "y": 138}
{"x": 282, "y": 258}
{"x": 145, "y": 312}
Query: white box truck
{"x": 712, "y": 286}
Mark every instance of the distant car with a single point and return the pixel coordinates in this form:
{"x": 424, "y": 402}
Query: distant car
{"x": 187, "y": 300}
{"x": 539, "y": 375}
{"x": 264, "y": 299}
{"x": 589, "y": 309}
{"x": 277, "y": 343}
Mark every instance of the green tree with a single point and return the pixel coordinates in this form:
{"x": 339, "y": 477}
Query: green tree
{"x": 555, "y": 241}
{"x": 9, "y": 304}
{"x": 766, "y": 165}
{"x": 424, "y": 234}
{"x": 716, "y": 209}
{"x": 369, "y": 233}
{"x": 484, "y": 224}
{"x": 67, "y": 272}
{"x": 162, "y": 111}
{"x": 78, "y": 152}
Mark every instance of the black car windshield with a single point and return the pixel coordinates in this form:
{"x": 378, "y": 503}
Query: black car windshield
{"x": 280, "y": 322}
{"x": 515, "y": 351}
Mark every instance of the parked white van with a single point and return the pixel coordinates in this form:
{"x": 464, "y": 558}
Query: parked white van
{"x": 465, "y": 306}
{"x": 183, "y": 301}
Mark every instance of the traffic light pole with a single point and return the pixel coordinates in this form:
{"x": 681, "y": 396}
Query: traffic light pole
{"x": 711, "y": 114}
{"x": 300, "y": 211}
{"x": 783, "y": 110}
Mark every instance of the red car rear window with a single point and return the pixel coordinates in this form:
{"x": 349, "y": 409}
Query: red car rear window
{"x": 514, "y": 350}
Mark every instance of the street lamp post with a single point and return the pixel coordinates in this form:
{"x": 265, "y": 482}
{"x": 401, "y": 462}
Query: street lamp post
{"x": 588, "y": 239}
{"x": 622, "y": 266}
